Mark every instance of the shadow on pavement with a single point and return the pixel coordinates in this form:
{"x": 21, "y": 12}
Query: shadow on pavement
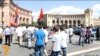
{"x": 76, "y": 43}
{"x": 32, "y": 54}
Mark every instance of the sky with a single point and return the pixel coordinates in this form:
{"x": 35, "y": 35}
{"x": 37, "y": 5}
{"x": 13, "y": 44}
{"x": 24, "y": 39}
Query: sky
{"x": 59, "y": 7}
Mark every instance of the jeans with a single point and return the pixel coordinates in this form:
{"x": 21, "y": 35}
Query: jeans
{"x": 81, "y": 40}
{"x": 7, "y": 39}
{"x": 39, "y": 50}
{"x": 55, "y": 53}
{"x": 70, "y": 38}
{"x": 64, "y": 51}
{"x": 88, "y": 39}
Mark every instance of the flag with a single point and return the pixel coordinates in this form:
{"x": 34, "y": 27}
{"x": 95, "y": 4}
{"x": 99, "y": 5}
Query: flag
{"x": 41, "y": 15}
{"x": 16, "y": 15}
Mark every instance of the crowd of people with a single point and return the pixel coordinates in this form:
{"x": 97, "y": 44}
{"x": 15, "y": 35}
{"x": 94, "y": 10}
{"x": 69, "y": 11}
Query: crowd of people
{"x": 61, "y": 36}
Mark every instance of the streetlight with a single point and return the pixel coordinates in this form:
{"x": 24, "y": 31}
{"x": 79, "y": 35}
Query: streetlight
{"x": 58, "y": 19}
{"x": 2, "y": 13}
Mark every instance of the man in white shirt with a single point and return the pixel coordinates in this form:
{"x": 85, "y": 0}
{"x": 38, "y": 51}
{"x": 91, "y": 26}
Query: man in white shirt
{"x": 12, "y": 33}
{"x": 64, "y": 40}
{"x": 27, "y": 36}
{"x": 70, "y": 34}
{"x": 7, "y": 33}
{"x": 46, "y": 38}
{"x": 56, "y": 42}
{"x": 19, "y": 32}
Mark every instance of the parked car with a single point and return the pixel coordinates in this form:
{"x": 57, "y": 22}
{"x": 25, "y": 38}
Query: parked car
{"x": 76, "y": 30}
{"x": 93, "y": 34}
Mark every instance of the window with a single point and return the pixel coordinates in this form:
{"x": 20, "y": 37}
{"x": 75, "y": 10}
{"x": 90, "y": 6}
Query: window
{"x": 74, "y": 25}
{"x": 74, "y": 22}
{"x": 20, "y": 18}
{"x": 78, "y": 22}
{"x": 53, "y": 21}
{"x": 61, "y": 21}
{"x": 70, "y": 22}
{"x": 27, "y": 20}
{"x": 66, "y": 22}
{"x": 23, "y": 19}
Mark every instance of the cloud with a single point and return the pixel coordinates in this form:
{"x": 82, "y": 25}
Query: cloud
{"x": 96, "y": 10}
{"x": 60, "y": 10}
{"x": 35, "y": 15}
{"x": 69, "y": 10}
{"x": 65, "y": 10}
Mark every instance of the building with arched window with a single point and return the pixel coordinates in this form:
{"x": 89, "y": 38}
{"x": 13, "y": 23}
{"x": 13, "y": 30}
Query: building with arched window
{"x": 71, "y": 19}
{"x": 10, "y": 9}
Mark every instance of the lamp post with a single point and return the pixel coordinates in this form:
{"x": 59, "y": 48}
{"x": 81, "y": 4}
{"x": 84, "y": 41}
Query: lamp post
{"x": 2, "y": 13}
{"x": 58, "y": 19}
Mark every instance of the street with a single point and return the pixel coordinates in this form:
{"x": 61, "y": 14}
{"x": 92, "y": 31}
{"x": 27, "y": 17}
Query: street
{"x": 16, "y": 50}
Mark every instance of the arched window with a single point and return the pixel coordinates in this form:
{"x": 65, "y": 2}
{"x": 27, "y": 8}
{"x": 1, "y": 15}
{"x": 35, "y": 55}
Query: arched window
{"x": 23, "y": 20}
{"x": 78, "y": 22}
{"x": 57, "y": 21}
{"x": 27, "y": 20}
{"x": 20, "y": 18}
{"x": 53, "y": 21}
{"x": 74, "y": 22}
{"x": 66, "y": 22}
{"x": 70, "y": 22}
{"x": 61, "y": 21}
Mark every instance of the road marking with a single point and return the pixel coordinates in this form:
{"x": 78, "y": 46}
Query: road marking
{"x": 96, "y": 42}
{"x": 83, "y": 51}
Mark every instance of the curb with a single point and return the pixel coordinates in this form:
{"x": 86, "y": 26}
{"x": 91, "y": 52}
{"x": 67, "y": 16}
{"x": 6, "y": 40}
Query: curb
{"x": 83, "y": 51}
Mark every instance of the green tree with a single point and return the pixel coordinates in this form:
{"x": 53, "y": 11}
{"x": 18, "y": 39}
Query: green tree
{"x": 34, "y": 23}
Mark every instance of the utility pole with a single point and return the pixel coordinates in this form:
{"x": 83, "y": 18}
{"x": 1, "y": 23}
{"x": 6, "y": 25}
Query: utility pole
{"x": 58, "y": 19}
{"x": 2, "y": 13}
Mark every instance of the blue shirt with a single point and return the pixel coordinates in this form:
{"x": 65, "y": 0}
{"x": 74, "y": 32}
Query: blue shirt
{"x": 39, "y": 34}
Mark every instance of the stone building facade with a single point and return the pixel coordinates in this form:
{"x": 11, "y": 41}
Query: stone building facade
{"x": 71, "y": 19}
{"x": 9, "y": 11}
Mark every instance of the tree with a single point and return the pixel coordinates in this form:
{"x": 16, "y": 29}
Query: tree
{"x": 34, "y": 23}
{"x": 44, "y": 23}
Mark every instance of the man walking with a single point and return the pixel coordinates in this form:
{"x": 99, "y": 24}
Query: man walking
{"x": 98, "y": 33}
{"x": 39, "y": 43}
{"x": 64, "y": 40}
{"x": 82, "y": 35}
{"x": 70, "y": 34}
{"x": 19, "y": 32}
{"x": 46, "y": 39}
{"x": 7, "y": 33}
{"x": 56, "y": 42}
{"x": 12, "y": 34}
{"x": 27, "y": 34}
